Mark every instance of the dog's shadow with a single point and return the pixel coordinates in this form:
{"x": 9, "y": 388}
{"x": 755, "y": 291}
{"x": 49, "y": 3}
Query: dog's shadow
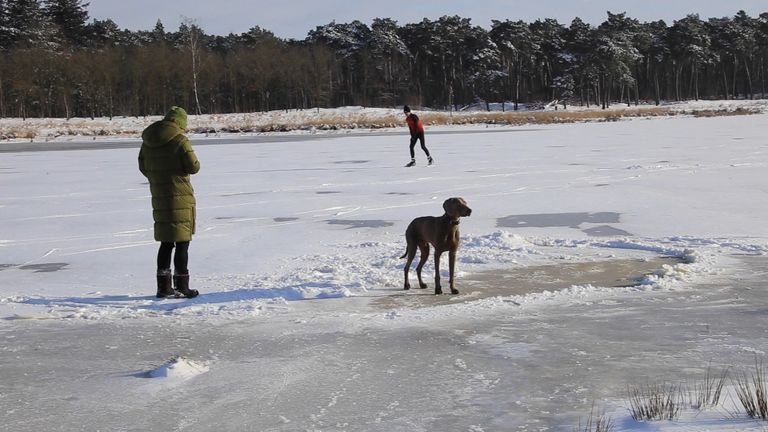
{"x": 421, "y": 298}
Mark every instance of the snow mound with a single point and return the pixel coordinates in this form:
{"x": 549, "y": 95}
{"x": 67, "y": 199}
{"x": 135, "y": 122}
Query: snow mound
{"x": 498, "y": 247}
{"x": 178, "y": 369}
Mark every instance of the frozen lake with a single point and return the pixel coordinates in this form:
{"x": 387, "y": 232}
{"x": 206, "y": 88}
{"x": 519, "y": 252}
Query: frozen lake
{"x": 597, "y": 256}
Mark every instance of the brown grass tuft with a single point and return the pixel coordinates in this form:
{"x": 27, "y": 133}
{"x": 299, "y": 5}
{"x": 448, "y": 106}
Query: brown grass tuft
{"x": 707, "y": 393}
{"x": 655, "y": 402}
{"x": 753, "y": 392}
{"x": 19, "y": 132}
{"x": 724, "y": 112}
{"x": 597, "y": 421}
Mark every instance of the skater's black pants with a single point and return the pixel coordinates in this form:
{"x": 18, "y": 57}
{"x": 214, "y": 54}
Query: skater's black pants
{"x": 419, "y": 136}
{"x": 180, "y": 259}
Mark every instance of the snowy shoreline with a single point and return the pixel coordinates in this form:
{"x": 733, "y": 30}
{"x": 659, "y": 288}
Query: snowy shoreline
{"x": 358, "y": 119}
{"x": 238, "y": 296}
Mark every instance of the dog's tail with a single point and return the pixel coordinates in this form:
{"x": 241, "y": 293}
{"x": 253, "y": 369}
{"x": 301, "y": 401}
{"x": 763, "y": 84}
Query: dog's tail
{"x": 404, "y": 255}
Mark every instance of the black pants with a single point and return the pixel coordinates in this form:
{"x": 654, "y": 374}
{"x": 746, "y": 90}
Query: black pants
{"x": 180, "y": 259}
{"x": 419, "y": 136}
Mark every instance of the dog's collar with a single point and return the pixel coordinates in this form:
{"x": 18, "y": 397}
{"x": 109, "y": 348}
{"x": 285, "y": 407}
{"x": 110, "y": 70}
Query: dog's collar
{"x": 452, "y": 221}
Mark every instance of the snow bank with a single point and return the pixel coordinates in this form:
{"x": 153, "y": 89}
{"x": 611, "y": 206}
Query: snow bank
{"x": 178, "y": 369}
{"x": 310, "y": 121}
{"x": 376, "y": 266}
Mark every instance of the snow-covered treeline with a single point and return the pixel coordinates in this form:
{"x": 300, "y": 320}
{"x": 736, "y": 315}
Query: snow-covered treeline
{"x": 58, "y": 64}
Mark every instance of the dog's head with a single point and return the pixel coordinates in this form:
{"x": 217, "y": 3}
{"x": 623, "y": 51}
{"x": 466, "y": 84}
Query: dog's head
{"x": 456, "y": 207}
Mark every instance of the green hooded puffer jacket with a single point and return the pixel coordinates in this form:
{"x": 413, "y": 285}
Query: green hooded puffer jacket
{"x": 166, "y": 158}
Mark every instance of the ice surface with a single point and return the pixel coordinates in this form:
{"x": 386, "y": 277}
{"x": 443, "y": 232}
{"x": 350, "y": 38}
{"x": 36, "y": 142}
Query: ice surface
{"x": 641, "y": 257}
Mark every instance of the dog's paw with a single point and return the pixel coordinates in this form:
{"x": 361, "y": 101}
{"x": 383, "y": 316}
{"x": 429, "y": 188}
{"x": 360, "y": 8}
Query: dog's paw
{"x": 407, "y": 287}
{"x": 422, "y": 285}
{"x": 454, "y": 291}
{"x": 438, "y": 291}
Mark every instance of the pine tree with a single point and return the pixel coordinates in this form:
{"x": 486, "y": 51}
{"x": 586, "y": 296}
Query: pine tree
{"x": 548, "y": 35}
{"x": 576, "y": 54}
{"x": 389, "y": 54}
{"x": 158, "y": 33}
{"x": 101, "y": 33}
{"x": 655, "y": 49}
{"x": 345, "y": 39}
{"x": 71, "y": 18}
{"x": 257, "y": 35}
{"x": 5, "y": 29}
{"x": 746, "y": 46}
{"x": 691, "y": 47}
{"x": 762, "y": 48}
{"x": 27, "y": 24}
{"x": 483, "y": 66}
{"x": 517, "y": 46}
{"x": 618, "y": 54}
{"x": 448, "y": 36}
{"x": 349, "y": 43}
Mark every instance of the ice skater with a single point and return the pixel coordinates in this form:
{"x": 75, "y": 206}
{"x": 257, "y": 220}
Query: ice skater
{"x": 417, "y": 133}
{"x": 166, "y": 159}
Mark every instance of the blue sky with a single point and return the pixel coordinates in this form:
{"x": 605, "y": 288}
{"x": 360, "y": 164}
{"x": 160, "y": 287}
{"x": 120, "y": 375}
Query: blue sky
{"x": 294, "y": 18}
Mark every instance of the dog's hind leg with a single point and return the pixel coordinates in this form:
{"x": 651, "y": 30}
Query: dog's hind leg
{"x": 410, "y": 253}
{"x": 424, "y": 248}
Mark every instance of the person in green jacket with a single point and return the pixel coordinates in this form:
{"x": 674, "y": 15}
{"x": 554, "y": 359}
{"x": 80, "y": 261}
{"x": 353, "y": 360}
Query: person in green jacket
{"x": 166, "y": 159}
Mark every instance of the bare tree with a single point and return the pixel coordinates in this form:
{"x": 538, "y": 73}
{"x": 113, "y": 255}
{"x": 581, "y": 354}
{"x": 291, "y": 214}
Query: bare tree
{"x": 192, "y": 33}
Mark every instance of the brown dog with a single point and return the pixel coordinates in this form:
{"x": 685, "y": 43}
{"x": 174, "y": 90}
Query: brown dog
{"x": 442, "y": 233}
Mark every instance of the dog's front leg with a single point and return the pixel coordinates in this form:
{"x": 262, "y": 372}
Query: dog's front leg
{"x": 438, "y": 288}
{"x": 451, "y": 267}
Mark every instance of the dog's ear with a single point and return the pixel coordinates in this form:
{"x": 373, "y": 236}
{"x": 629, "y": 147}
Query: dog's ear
{"x": 449, "y": 205}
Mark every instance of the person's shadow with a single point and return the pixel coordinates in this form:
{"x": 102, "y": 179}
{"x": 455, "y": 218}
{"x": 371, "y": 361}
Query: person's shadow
{"x": 307, "y": 291}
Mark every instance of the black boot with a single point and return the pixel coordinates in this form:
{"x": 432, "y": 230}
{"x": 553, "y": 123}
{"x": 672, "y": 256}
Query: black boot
{"x": 164, "y": 287}
{"x": 182, "y": 286}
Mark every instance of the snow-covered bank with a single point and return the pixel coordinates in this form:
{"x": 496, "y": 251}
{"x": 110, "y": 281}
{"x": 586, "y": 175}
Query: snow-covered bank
{"x": 369, "y": 274}
{"x": 335, "y": 120}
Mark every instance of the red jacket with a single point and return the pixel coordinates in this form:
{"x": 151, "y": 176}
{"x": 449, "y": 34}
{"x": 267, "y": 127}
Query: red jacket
{"x": 414, "y": 124}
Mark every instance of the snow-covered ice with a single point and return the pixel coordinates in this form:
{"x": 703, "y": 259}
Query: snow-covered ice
{"x": 597, "y": 256}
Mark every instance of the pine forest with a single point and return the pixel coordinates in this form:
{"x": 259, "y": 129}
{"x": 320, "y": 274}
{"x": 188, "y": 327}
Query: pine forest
{"x": 57, "y": 62}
